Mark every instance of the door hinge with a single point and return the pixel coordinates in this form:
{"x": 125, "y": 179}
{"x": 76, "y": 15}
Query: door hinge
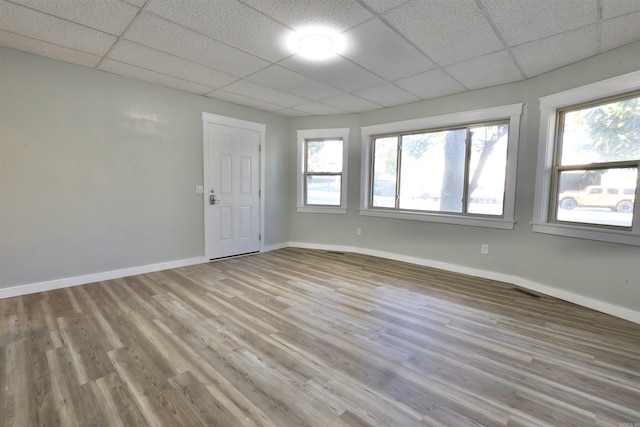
{"x": 259, "y": 193}
{"x": 259, "y": 237}
{"x": 259, "y": 148}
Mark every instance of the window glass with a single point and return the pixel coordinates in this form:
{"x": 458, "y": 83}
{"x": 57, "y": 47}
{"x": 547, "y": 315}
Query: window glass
{"x": 385, "y": 167}
{"x": 324, "y": 155}
{"x": 488, "y": 168}
{"x": 323, "y": 172}
{"x": 601, "y": 133}
{"x": 460, "y": 170}
{"x": 596, "y": 196}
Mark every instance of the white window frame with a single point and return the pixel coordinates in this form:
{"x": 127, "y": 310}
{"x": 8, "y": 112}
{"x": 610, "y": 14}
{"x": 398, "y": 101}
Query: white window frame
{"x": 549, "y": 106}
{"x": 302, "y": 136}
{"x": 511, "y": 113}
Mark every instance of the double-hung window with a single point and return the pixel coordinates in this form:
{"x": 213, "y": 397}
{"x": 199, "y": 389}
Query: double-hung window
{"x": 591, "y": 141}
{"x": 459, "y": 168}
{"x": 322, "y": 163}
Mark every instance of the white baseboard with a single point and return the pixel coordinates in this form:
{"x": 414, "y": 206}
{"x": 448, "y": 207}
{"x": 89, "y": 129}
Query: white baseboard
{"x": 601, "y": 306}
{"x": 67, "y": 282}
{"x": 604, "y": 307}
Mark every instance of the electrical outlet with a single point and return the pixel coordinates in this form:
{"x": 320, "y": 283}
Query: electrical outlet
{"x": 484, "y": 249}
{"x": 359, "y": 231}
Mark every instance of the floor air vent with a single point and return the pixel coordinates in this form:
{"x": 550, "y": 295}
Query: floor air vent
{"x": 523, "y": 291}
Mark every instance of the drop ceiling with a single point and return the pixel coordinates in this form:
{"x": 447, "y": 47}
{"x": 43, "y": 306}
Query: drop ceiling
{"x": 396, "y": 51}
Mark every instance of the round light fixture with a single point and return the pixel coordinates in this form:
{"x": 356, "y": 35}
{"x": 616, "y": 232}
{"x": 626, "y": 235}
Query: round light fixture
{"x": 316, "y": 46}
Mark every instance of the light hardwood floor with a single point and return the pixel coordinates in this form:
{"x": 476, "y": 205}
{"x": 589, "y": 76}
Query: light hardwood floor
{"x": 308, "y": 338}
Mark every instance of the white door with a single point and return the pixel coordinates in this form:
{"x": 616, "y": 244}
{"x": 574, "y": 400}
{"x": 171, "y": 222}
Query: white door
{"x": 232, "y": 188}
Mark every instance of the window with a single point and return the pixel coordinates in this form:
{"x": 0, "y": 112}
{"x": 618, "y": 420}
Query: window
{"x": 322, "y": 161}
{"x": 588, "y": 171}
{"x": 458, "y": 168}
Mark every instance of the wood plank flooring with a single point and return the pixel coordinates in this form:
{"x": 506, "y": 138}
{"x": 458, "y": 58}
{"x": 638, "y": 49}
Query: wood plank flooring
{"x": 308, "y": 338}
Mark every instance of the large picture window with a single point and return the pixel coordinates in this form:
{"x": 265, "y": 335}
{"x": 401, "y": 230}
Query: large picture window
{"x": 322, "y": 164}
{"x": 458, "y": 168}
{"x": 596, "y": 163}
{"x": 587, "y": 181}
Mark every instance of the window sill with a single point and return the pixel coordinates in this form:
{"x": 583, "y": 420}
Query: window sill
{"x": 472, "y": 221}
{"x": 322, "y": 210}
{"x": 589, "y": 233}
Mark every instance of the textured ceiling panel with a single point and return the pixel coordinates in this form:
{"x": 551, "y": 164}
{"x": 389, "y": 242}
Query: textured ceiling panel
{"x": 337, "y": 15}
{"x": 110, "y": 16}
{"x": 379, "y": 6}
{"x": 263, "y": 93}
{"x": 244, "y": 100}
{"x": 153, "y": 77}
{"x": 394, "y": 51}
{"x": 351, "y": 103}
{"x": 337, "y": 72}
{"x": 396, "y": 57}
{"x": 160, "y": 34}
{"x": 151, "y": 59}
{"x": 18, "y": 42}
{"x": 489, "y": 70}
{"x": 388, "y": 95}
{"x": 432, "y": 84}
{"x": 447, "y": 31}
{"x": 229, "y": 21}
{"x": 620, "y": 31}
{"x": 521, "y": 21}
{"x": 319, "y": 109}
{"x": 40, "y": 26}
{"x": 534, "y": 57}
{"x": 292, "y": 82}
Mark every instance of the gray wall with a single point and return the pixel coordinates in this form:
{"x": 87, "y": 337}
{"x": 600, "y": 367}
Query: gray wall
{"x": 601, "y": 271}
{"x": 98, "y": 172}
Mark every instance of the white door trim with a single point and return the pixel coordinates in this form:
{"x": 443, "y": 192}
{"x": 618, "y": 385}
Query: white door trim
{"x": 209, "y": 118}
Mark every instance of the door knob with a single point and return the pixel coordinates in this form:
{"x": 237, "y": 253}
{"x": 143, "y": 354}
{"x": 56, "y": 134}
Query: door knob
{"x": 213, "y": 200}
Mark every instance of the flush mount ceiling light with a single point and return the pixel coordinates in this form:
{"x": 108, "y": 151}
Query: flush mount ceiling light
{"x": 316, "y": 46}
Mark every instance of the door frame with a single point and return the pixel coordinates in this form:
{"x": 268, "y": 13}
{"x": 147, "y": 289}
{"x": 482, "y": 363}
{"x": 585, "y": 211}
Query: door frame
{"x": 209, "y": 118}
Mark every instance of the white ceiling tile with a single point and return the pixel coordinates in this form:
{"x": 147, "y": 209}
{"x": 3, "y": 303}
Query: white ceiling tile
{"x": 486, "y": 71}
{"x": 432, "y": 84}
{"x": 40, "y": 26}
{"x": 619, "y": 31}
{"x": 153, "y": 77}
{"x": 387, "y": 94}
{"x": 337, "y": 15}
{"x": 337, "y": 71}
{"x": 381, "y": 50}
{"x": 235, "y": 98}
{"x": 229, "y": 21}
{"x": 447, "y": 31}
{"x": 613, "y": 8}
{"x": 572, "y": 46}
{"x": 156, "y": 32}
{"x": 264, "y": 93}
{"x": 151, "y": 59}
{"x": 110, "y": 16}
{"x": 319, "y": 109}
{"x": 18, "y": 42}
{"x": 138, "y": 3}
{"x": 292, "y": 82}
{"x": 291, "y": 112}
{"x": 379, "y": 6}
{"x": 521, "y": 21}
{"x": 351, "y": 103}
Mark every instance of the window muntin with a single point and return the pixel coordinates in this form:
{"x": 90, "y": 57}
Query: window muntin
{"x": 458, "y": 170}
{"x": 596, "y": 163}
{"x": 323, "y": 172}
